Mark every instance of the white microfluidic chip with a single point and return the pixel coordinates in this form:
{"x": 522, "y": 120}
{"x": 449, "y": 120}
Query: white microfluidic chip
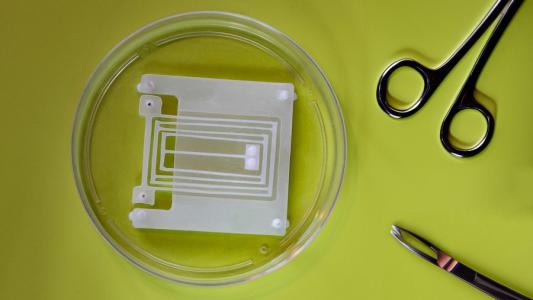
{"x": 224, "y": 155}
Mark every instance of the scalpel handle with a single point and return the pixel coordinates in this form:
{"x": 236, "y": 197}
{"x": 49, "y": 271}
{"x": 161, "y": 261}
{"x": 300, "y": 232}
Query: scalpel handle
{"x": 485, "y": 284}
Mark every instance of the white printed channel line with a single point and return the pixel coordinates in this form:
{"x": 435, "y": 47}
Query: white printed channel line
{"x": 146, "y": 149}
{"x": 214, "y": 138}
{"x": 218, "y": 132}
{"x": 223, "y": 126}
{"x": 208, "y": 154}
{"x": 217, "y": 186}
{"x": 155, "y": 142}
{"x": 179, "y": 123}
{"x": 272, "y": 152}
{"x": 201, "y": 191}
{"x": 207, "y": 179}
{"x": 182, "y": 117}
{"x": 166, "y": 133}
{"x": 227, "y": 123}
{"x": 210, "y": 172}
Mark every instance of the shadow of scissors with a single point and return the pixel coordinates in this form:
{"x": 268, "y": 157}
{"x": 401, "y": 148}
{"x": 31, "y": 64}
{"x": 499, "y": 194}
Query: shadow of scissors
{"x": 433, "y": 78}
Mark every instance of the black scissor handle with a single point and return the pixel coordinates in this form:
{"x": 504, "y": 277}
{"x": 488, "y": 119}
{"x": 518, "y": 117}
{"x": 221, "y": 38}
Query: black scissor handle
{"x": 467, "y": 102}
{"x": 431, "y": 82}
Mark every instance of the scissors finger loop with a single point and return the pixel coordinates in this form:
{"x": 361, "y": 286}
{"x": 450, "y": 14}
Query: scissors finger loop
{"x": 429, "y": 76}
{"x": 445, "y": 135}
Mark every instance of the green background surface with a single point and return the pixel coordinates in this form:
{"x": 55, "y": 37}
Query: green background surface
{"x": 479, "y": 209}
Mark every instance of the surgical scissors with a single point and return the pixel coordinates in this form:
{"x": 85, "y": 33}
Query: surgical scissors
{"x": 433, "y": 78}
{"x": 450, "y": 265}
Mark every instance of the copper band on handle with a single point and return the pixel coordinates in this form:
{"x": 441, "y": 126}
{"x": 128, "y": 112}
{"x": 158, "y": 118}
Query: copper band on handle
{"x": 445, "y": 262}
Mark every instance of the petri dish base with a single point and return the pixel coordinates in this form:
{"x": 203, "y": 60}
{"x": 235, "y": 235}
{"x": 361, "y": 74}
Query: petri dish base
{"x": 108, "y": 136}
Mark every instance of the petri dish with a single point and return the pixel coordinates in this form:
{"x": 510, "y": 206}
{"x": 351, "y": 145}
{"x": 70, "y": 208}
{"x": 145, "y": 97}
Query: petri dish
{"x": 108, "y": 133}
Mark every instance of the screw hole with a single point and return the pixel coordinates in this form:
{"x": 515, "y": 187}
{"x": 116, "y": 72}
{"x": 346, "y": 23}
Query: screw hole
{"x": 264, "y": 249}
